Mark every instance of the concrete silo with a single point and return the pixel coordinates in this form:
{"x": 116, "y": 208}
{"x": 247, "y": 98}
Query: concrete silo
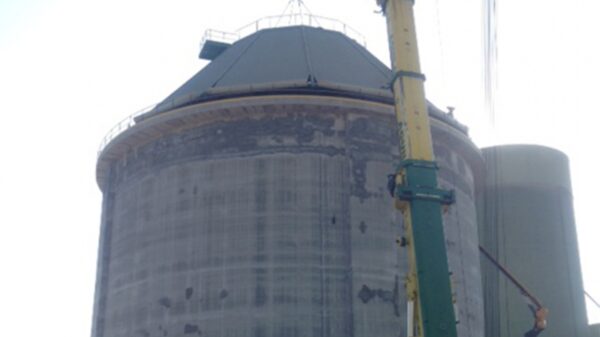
{"x": 595, "y": 330}
{"x": 253, "y": 201}
{"x": 527, "y": 222}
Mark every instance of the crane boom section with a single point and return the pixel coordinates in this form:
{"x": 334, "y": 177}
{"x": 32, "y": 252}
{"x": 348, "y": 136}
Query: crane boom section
{"x": 416, "y": 190}
{"x": 410, "y": 105}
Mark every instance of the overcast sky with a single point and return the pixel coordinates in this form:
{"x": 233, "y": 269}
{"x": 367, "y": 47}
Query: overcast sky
{"x": 69, "y": 70}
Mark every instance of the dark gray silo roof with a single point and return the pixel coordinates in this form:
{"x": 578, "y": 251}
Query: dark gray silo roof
{"x": 293, "y": 59}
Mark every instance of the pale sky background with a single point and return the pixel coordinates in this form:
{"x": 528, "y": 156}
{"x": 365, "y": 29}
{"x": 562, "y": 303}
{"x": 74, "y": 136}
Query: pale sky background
{"x": 70, "y": 70}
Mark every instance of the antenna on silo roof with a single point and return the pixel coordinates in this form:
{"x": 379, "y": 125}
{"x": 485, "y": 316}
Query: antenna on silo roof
{"x": 295, "y": 11}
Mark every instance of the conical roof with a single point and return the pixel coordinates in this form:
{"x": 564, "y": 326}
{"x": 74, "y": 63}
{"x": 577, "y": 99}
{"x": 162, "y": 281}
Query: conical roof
{"x": 287, "y": 60}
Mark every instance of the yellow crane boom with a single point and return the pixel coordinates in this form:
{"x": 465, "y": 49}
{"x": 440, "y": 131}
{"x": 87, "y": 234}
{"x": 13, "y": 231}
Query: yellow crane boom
{"x": 430, "y": 302}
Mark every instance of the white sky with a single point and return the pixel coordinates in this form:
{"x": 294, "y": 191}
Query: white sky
{"x": 69, "y": 70}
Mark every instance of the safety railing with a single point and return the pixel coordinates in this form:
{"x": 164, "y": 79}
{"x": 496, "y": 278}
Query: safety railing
{"x": 286, "y": 20}
{"x": 304, "y": 19}
{"x": 123, "y": 125}
{"x": 219, "y": 35}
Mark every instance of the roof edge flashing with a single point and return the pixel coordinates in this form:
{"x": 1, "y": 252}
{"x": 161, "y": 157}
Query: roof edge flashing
{"x": 324, "y": 87}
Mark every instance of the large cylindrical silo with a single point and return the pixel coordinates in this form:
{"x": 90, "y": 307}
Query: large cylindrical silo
{"x": 253, "y": 201}
{"x": 527, "y": 223}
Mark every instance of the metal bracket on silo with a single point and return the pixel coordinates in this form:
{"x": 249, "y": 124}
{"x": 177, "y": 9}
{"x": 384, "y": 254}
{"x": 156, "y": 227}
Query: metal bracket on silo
{"x": 420, "y": 183}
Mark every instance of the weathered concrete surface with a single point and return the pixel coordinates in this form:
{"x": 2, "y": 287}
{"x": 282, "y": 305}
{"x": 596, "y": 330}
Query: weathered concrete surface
{"x": 527, "y": 222}
{"x": 595, "y": 330}
{"x": 270, "y": 219}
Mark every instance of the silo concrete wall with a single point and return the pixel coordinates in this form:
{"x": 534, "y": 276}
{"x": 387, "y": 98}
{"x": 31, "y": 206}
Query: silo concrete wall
{"x": 527, "y": 222}
{"x": 269, "y": 217}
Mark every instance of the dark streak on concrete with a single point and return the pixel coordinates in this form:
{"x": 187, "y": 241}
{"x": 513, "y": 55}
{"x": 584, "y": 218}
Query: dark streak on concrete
{"x": 368, "y": 139}
{"x": 260, "y": 199}
{"x": 143, "y": 333}
{"x": 188, "y": 293}
{"x": 366, "y": 294}
{"x": 294, "y": 132}
{"x": 259, "y": 331}
{"x": 260, "y": 296}
{"x": 165, "y": 302}
{"x": 191, "y": 328}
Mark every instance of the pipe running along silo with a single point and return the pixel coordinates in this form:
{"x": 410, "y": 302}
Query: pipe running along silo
{"x": 253, "y": 201}
{"x": 527, "y": 223}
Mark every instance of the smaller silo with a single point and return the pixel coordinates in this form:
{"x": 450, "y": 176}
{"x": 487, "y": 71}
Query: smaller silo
{"x": 526, "y": 221}
{"x": 595, "y": 330}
